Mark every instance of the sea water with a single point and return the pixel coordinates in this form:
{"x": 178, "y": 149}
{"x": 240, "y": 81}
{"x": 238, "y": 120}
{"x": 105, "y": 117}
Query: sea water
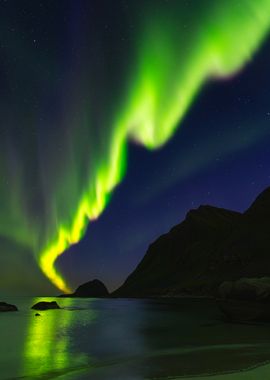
{"x": 129, "y": 339}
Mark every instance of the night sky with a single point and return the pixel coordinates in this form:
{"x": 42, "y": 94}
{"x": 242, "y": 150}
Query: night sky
{"x": 127, "y": 113}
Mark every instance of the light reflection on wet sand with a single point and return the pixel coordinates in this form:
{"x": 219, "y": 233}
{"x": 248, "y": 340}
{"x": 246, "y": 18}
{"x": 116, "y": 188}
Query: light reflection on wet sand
{"x": 131, "y": 340}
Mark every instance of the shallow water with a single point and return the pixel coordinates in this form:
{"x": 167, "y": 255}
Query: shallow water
{"x": 129, "y": 340}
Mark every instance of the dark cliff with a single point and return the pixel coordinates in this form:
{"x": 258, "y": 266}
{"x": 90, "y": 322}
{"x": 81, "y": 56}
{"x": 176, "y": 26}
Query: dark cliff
{"x": 210, "y": 246}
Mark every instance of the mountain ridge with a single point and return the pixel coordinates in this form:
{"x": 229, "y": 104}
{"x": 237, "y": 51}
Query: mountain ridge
{"x": 209, "y": 246}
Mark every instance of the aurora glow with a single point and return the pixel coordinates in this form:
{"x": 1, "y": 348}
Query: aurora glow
{"x": 174, "y": 49}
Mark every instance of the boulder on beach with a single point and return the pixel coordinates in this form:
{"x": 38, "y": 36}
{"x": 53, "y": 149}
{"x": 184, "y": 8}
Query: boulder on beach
{"x": 7, "y": 307}
{"x": 246, "y": 299}
{"x": 249, "y": 289}
{"x": 44, "y": 305}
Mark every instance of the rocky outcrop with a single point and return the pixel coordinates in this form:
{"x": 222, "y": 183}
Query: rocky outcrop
{"x": 210, "y": 246}
{"x": 247, "y": 299}
{"x": 249, "y": 289}
{"x": 91, "y": 289}
{"x": 4, "y": 307}
{"x": 44, "y": 305}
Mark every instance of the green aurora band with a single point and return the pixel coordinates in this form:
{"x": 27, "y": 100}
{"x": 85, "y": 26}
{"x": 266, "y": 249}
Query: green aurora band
{"x": 165, "y": 82}
{"x": 176, "y": 49}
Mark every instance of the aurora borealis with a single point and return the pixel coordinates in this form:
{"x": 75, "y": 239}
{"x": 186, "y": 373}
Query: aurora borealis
{"x": 83, "y": 80}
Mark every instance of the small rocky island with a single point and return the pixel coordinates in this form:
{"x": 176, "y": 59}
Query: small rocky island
{"x": 91, "y": 289}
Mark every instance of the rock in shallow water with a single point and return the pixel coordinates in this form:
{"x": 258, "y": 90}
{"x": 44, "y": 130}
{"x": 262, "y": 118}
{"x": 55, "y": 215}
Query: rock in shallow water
{"x": 44, "y": 305}
{"x": 7, "y": 307}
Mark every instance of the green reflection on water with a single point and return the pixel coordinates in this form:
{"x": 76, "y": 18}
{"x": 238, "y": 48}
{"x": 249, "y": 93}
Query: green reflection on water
{"x": 49, "y": 341}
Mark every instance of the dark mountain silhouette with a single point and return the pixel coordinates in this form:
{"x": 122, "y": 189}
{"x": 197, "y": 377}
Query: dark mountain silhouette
{"x": 210, "y": 246}
{"x": 95, "y": 289}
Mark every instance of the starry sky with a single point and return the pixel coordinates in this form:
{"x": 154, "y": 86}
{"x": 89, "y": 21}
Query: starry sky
{"x": 117, "y": 117}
